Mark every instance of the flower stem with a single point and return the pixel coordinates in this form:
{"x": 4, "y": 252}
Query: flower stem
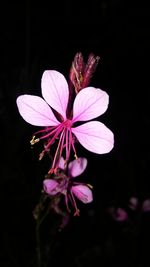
{"x": 38, "y": 240}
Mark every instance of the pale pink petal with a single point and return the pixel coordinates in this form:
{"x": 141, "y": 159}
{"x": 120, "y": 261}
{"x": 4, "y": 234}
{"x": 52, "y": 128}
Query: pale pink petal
{"x": 61, "y": 164}
{"x": 77, "y": 167}
{"x": 83, "y": 193}
{"x": 95, "y": 137}
{"x": 121, "y": 215}
{"x": 146, "y": 205}
{"x": 36, "y": 111}
{"x": 89, "y": 104}
{"x": 55, "y": 91}
{"x": 133, "y": 203}
{"x": 50, "y": 186}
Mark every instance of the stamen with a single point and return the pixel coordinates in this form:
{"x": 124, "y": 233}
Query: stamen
{"x": 90, "y": 186}
{"x": 46, "y": 148}
{"x": 72, "y": 143}
{"x": 41, "y": 155}
{"x": 66, "y": 140}
{"x": 33, "y": 140}
{"x": 67, "y": 146}
{"x": 77, "y": 211}
{"x": 69, "y": 143}
{"x": 57, "y": 150}
{"x": 76, "y": 157}
{"x": 62, "y": 145}
{"x": 47, "y": 129}
{"x": 53, "y": 138}
{"x": 50, "y": 133}
{"x": 66, "y": 202}
{"x": 52, "y": 170}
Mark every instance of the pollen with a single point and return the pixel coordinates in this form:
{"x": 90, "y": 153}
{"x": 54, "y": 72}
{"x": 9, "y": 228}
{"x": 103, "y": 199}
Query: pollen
{"x": 41, "y": 155}
{"x": 81, "y": 77}
{"x": 75, "y": 155}
{"x": 90, "y": 186}
{"x": 34, "y": 141}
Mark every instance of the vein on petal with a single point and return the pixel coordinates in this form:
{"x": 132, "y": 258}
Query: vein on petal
{"x": 76, "y": 118}
{"x": 38, "y": 112}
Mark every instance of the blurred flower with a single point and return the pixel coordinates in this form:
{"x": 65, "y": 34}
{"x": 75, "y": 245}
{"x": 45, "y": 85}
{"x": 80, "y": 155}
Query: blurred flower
{"x": 88, "y": 104}
{"x": 146, "y": 205}
{"x": 65, "y": 185}
{"x": 118, "y": 214}
{"x": 133, "y": 203}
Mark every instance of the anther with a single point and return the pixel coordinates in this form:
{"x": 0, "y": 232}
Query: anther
{"x": 41, "y": 155}
{"x": 33, "y": 140}
{"x": 90, "y": 186}
{"x": 75, "y": 155}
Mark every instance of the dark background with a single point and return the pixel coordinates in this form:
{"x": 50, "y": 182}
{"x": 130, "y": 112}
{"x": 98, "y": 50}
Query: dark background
{"x": 47, "y": 35}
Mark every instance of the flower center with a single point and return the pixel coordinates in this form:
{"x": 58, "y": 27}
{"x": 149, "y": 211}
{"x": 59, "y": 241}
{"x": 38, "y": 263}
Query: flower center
{"x": 66, "y": 140}
{"x": 63, "y": 185}
{"x": 67, "y": 123}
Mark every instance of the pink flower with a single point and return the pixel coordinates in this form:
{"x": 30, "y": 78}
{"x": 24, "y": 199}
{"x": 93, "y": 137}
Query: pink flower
{"x": 133, "y": 203}
{"x": 118, "y": 214}
{"x": 89, "y": 103}
{"x": 65, "y": 185}
{"x": 146, "y": 205}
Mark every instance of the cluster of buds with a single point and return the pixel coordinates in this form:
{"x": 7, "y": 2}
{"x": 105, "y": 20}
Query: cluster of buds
{"x": 81, "y": 73}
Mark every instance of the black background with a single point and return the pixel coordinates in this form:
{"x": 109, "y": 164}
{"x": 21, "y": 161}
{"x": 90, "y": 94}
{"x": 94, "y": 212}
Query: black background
{"x": 47, "y": 35}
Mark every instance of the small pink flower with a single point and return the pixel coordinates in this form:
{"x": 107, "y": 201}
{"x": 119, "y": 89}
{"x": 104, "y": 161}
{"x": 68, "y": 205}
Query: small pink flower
{"x": 67, "y": 186}
{"x": 118, "y": 214}
{"x": 88, "y": 104}
{"x": 133, "y": 203}
{"x": 146, "y": 205}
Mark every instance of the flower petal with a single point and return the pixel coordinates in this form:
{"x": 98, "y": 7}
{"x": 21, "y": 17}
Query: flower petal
{"x": 36, "y": 111}
{"x": 61, "y": 163}
{"x": 118, "y": 214}
{"x": 50, "y": 186}
{"x": 83, "y": 193}
{"x": 146, "y": 205}
{"x": 133, "y": 203}
{"x": 55, "y": 91}
{"x": 89, "y": 104}
{"x": 95, "y": 137}
{"x": 121, "y": 215}
{"x": 77, "y": 167}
